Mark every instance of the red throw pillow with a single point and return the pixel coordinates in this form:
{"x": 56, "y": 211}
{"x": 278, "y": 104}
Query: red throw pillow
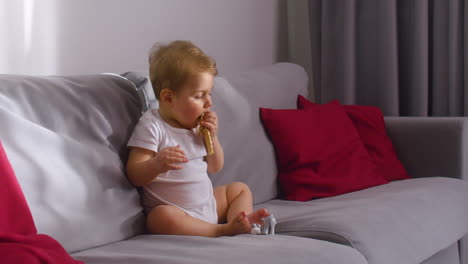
{"x": 370, "y": 125}
{"x": 15, "y": 216}
{"x": 319, "y": 153}
{"x": 19, "y": 241}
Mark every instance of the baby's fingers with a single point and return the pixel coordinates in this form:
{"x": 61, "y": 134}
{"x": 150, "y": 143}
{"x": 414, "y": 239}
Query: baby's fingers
{"x": 208, "y": 125}
{"x": 177, "y": 149}
{"x": 177, "y": 159}
{"x": 175, "y": 167}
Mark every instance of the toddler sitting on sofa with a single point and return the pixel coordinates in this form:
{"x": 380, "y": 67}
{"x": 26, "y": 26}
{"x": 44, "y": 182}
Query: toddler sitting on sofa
{"x": 168, "y": 158}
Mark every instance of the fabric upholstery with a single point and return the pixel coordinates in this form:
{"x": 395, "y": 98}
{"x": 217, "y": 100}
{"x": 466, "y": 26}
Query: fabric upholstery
{"x": 431, "y": 146}
{"x": 319, "y": 152}
{"x": 450, "y": 255}
{"x": 239, "y": 249}
{"x": 400, "y": 222}
{"x": 144, "y": 88}
{"x": 370, "y": 125}
{"x": 66, "y": 139}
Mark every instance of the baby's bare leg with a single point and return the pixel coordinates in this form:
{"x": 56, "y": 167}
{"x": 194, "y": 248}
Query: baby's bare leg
{"x": 170, "y": 220}
{"x": 234, "y": 198}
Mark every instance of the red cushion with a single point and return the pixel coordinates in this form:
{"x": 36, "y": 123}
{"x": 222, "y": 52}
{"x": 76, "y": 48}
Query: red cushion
{"x": 319, "y": 153}
{"x": 31, "y": 249}
{"x": 370, "y": 125}
{"x": 19, "y": 241}
{"x": 15, "y": 216}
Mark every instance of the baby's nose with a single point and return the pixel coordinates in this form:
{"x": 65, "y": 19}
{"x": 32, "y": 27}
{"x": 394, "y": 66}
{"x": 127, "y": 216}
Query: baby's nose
{"x": 208, "y": 103}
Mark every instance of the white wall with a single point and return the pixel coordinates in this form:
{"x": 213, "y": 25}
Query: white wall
{"x": 93, "y": 36}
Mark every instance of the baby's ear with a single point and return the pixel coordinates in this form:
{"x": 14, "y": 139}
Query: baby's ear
{"x": 166, "y": 95}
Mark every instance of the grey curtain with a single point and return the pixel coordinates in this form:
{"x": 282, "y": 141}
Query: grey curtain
{"x": 408, "y": 57}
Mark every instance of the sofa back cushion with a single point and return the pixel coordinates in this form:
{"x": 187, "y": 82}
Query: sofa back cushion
{"x": 249, "y": 154}
{"x": 66, "y": 140}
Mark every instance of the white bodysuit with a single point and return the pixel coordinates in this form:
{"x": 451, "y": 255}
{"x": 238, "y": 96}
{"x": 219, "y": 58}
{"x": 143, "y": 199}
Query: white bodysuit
{"x": 190, "y": 188}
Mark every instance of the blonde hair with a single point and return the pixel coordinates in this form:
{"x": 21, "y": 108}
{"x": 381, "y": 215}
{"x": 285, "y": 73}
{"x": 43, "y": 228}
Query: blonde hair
{"x": 171, "y": 65}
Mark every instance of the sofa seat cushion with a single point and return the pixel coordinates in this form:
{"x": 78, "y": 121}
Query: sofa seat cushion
{"x": 400, "y": 222}
{"x": 239, "y": 249}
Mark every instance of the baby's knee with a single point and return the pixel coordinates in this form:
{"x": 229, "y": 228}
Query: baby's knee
{"x": 239, "y": 187}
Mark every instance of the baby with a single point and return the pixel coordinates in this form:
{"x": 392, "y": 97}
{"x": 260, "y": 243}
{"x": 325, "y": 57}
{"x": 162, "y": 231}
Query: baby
{"x": 168, "y": 158}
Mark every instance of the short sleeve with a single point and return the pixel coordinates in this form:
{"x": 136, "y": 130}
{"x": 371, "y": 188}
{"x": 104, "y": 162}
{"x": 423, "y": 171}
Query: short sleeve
{"x": 145, "y": 135}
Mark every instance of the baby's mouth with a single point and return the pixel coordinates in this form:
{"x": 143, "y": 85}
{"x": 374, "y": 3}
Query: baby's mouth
{"x": 200, "y": 118}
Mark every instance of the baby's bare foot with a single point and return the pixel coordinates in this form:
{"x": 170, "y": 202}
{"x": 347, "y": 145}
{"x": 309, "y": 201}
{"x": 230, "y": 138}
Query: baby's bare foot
{"x": 238, "y": 225}
{"x": 257, "y": 216}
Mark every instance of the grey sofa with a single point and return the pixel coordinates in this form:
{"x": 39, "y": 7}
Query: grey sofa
{"x": 66, "y": 139}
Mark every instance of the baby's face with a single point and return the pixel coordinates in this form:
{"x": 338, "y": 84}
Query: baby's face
{"x": 193, "y": 100}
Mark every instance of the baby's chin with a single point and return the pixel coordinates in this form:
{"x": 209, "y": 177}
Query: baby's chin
{"x": 192, "y": 126}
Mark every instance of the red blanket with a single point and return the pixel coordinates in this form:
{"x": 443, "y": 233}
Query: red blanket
{"x": 19, "y": 241}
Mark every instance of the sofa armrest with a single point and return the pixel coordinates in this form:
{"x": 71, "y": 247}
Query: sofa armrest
{"x": 431, "y": 146}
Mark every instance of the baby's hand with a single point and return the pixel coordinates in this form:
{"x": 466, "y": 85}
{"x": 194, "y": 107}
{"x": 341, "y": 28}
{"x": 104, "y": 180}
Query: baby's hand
{"x": 210, "y": 122}
{"x": 166, "y": 159}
